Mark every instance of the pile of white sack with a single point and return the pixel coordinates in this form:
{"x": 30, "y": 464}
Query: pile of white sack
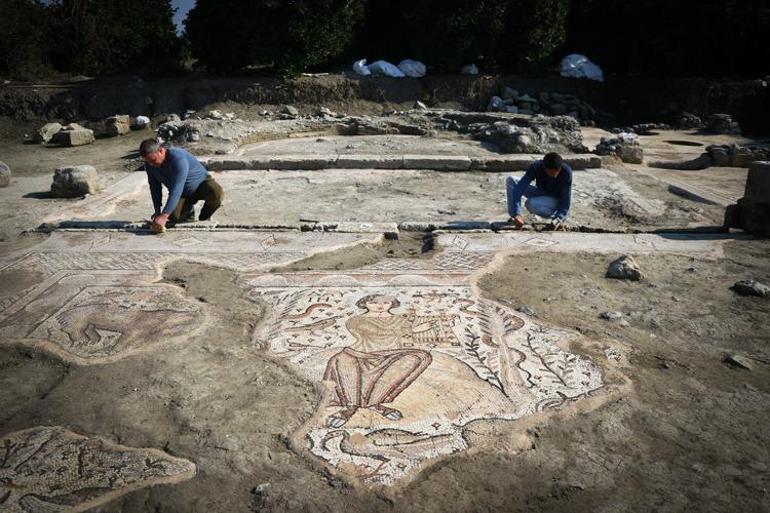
{"x": 405, "y": 68}
{"x": 579, "y": 66}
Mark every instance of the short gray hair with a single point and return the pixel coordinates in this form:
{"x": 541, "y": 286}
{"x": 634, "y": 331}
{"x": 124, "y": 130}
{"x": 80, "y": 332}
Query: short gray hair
{"x": 149, "y": 146}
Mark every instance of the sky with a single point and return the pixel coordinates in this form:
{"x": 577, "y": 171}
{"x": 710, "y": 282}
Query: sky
{"x": 182, "y": 7}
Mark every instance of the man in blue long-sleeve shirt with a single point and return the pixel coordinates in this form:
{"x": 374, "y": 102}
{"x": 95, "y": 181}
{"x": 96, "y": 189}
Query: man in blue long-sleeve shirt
{"x": 187, "y": 182}
{"x": 551, "y": 195}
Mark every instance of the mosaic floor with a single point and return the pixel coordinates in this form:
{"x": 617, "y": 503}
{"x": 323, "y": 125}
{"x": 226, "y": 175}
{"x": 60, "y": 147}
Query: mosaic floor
{"x": 408, "y": 351}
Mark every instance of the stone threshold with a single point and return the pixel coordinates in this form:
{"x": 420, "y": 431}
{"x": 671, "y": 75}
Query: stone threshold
{"x": 389, "y": 230}
{"x": 412, "y": 162}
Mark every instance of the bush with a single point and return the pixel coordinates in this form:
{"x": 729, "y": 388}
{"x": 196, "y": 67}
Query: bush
{"x": 290, "y": 35}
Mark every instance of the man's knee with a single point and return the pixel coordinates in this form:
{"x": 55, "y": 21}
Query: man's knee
{"x": 543, "y": 206}
{"x": 510, "y": 182}
{"x": 215, "y": 194}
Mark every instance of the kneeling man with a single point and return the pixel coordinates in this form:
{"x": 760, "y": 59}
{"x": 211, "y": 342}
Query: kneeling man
{"x": 187, "y": 182}
{"x": 550, "y": 196}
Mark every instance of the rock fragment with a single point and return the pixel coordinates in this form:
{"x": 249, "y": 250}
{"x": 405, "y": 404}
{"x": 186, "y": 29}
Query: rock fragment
{"x": 624, "y": 268}
{"x": 74, "y": 182}
{"x": 5, "y": 175}
{"x": 722, "y": 124}
{"x": 46, "y": 133}
{"x": 736, "y": 360}
{"x": 751, "y": 288}
{"x": 612, "y": 315}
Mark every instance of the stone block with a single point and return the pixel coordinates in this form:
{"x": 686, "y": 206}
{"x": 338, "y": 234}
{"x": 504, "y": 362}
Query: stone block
{"x": 74, "y": 182}
{"x": 758, "y": 183}
{"x": 5, "y": 175}
{"x": 580, "y": 162}
{"x": 117, "y": 125}
{"x": 76, "y": 137}
{"x": 305, "y": 163}
{"x": 437, "y": 163}
{"x": 501, "y": 163}
{"x": 46, "y": 133}
{"x": 369, "y": 162}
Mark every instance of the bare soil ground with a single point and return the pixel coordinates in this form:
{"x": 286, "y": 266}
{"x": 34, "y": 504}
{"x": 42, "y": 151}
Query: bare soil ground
{"x": 689, "y": 435}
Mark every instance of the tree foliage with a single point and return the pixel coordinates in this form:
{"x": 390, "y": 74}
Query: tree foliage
{"x": 98, "y": 37}
{"x": 535, "y": 30}
{"x": 654, "y": 37}
{"x": 22, "y": 45}
{"x": 659, "y": 37}
{"x": 291, "y": 35}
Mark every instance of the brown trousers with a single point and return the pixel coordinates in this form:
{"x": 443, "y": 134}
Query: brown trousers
{"x": 209, "y": 191}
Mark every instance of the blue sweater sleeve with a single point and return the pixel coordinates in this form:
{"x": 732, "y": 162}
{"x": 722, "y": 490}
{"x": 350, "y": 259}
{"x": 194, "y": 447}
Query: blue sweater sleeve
{"x": 521, "y": 186}
{"x": 178, "y": 169}
{"x": 155, "y": 191}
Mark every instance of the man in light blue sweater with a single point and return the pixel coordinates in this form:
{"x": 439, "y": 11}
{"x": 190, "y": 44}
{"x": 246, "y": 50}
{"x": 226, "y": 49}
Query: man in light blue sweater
{"x": 187, "y": 182}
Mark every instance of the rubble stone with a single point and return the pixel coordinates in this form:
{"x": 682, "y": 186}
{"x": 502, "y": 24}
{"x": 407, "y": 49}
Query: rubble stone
{"x": 688, "y": 120}
{"x": 625, "y": 146}
{"x": 752, "y": 212}
{"x": 722, "y": 124}
{"x": 5, "y": 175}
{"x": 736, "y": 360}
{"x": 624, "y": 268}
{"x": 46, "y": 133}
{"x": 74, "y": 182}
{"x": 751, "y": 288}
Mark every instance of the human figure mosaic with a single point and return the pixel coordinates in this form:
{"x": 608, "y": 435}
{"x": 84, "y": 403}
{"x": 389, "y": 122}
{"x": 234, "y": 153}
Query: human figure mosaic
{"x": 409, "y": 360}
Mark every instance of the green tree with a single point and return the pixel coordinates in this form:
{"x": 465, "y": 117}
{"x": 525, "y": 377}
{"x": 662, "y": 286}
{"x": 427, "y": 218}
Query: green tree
{"x": 445, "y": 34}
{"x": 22, "y": 44}
{"x": 292, "y": 35}
{"x": 534, "y": 31}
{"x": 99, "y": 37}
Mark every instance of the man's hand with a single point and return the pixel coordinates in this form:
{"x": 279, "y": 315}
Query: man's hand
{"x": 159, "y": 222}
{"x": 518, "y": 221}
{"x": 558, "y": 224}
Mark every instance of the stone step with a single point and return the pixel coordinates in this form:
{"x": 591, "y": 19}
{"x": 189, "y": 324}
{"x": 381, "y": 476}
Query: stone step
{"x": 428, "y": 162}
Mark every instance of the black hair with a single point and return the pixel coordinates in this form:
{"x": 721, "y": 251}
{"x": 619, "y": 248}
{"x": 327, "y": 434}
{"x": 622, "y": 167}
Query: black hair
{"x": 552, "y": 161}
{"x": 361, "y": 303}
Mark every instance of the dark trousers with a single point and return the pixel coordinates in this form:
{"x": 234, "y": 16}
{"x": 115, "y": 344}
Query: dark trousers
{"x": 209, "y": 191}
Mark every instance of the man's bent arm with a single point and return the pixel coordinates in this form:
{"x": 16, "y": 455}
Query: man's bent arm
{"x": 565, "y": 200}
{"x": 155, "y": 192}
{"x": 179, "y": 172}
{"x": 521, "y": 186}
